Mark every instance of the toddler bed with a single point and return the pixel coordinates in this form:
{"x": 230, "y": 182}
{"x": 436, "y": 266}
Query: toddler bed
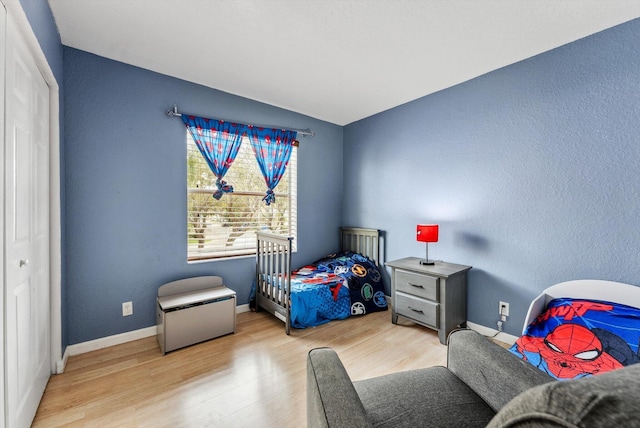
{"x": 582, "y": 328}
{"x": 334, "y": 287}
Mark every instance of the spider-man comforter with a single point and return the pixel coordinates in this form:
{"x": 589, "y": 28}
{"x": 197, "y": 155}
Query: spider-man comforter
{"x": 335, "y": 287}
{"x": 576, "y": 338}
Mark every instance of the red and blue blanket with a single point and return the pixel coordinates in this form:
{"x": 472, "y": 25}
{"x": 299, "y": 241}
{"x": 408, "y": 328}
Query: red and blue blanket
{"x": 335, "y": 287}
{"x": 576, "y": 338}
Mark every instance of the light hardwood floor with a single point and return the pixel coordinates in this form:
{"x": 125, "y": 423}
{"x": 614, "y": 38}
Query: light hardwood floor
{"x": 253, "y": 378}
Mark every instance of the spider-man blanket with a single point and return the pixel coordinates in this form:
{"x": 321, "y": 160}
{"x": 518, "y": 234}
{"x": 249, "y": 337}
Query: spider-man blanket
{"x": 335, "y": 287}
{"x": 576, "y": 338}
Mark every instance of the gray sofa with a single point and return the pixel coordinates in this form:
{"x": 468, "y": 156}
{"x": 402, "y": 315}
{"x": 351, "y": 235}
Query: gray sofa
{"x": 482, "y": 385}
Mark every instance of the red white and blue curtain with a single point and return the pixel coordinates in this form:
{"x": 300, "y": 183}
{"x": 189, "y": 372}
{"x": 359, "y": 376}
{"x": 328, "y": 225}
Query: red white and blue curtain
{"x": 219, "y": 142}
{"x": 272, "y": 148}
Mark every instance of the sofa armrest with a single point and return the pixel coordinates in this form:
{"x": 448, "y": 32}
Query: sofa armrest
{"x": 491, "y": 371}
{"x": 332, "y": 401}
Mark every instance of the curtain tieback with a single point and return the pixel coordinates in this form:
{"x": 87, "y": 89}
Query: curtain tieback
{"x": 270, "y": 197}
{"x": 223, "y": 188}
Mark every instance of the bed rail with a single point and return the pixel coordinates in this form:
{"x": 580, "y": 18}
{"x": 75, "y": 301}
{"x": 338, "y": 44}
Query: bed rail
{"x": 273, "y": 266}
{"x": 362, "y": 241}
{"x": 273, "y": 275}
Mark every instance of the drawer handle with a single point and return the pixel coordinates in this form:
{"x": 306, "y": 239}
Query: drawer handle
{"x": 416, "y": 310}
{"x": 416, "y": 285}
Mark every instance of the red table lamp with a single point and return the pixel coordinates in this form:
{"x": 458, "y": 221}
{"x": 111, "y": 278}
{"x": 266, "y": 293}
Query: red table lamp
{"x": 427, "y": 233}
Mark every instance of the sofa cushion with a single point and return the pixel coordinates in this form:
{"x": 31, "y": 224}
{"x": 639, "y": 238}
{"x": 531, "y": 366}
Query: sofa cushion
{"x": 332, "y": 401}
{"x": 491, "y": 371}
{"x": 608, "y": 400}
{"x": 421, "y": 398}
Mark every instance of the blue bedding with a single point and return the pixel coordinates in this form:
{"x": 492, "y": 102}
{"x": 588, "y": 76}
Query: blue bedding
{"x": 576, "y": 338}
{"x": 335, "y": 287}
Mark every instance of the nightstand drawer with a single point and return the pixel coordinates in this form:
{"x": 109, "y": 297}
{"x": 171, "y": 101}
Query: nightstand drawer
{"x": 416, "y": 284}
{"x": 421, "y": 310}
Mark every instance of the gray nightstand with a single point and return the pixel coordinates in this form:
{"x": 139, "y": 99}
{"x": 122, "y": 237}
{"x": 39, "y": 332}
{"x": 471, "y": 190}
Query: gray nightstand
{"x": 431, "y": 295}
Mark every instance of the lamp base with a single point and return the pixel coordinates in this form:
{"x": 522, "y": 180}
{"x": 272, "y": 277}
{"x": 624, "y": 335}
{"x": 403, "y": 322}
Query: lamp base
{"x": 427, "y": 262}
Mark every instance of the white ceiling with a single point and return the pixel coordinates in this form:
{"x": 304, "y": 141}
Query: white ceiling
{"x": 335, "y": 60}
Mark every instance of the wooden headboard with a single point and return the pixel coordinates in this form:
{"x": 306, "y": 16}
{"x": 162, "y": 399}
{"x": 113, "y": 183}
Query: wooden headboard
{"x": 362, "y": 241}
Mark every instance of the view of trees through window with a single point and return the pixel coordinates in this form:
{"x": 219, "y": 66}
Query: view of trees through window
{"x": 226, "y": 227}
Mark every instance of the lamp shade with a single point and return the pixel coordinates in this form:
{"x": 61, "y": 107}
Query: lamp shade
{"x": 427, "y": 233}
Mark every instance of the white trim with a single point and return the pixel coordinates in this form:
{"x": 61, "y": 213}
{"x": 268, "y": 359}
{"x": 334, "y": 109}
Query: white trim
{"x": 116, "y": 339}
{"x": 493, "y": 333}
{"x": 62, "y": 363}
{"x": 119, "y": 339}
{"x": 14, "y": 9}
{"x": 242, "y": 308}
{"x": 3, "y": 33}
{"x": 105, "y": 342}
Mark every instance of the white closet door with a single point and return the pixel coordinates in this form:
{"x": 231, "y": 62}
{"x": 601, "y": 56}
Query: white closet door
{"x": 27, "y": 330}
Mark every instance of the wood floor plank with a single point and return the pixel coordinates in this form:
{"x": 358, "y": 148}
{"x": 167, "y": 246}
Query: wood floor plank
{"x": 253, "y": 378}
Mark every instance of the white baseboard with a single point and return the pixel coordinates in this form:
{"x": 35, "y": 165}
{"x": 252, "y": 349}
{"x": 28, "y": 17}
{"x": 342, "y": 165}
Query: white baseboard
{"x": 105, "y": 342}
{"x": 117, "y": 339}
{"x": 61, "y": 364}
{"x": 486, "y": 331}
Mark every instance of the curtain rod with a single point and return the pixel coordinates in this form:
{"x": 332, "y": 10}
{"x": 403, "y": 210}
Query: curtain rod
{"x": 303, "y": 132}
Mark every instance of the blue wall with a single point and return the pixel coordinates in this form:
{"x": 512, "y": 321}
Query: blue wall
{"x": 126, "y": 190}
{"x": 532, "y": 172}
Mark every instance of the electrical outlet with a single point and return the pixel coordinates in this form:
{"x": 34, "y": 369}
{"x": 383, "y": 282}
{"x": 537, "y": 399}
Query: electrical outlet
{"x": 127, "y": 309}
{"x": 504, "y": 309}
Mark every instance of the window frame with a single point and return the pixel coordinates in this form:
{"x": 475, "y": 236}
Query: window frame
{"x": 226, "y": 252}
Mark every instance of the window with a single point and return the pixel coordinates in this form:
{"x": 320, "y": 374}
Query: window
{"x": 226, "y": 227}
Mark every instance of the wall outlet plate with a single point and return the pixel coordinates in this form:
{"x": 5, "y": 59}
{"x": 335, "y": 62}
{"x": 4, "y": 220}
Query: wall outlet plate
{"x": 503, "y": 309}
{"x": 127, "y": 309}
